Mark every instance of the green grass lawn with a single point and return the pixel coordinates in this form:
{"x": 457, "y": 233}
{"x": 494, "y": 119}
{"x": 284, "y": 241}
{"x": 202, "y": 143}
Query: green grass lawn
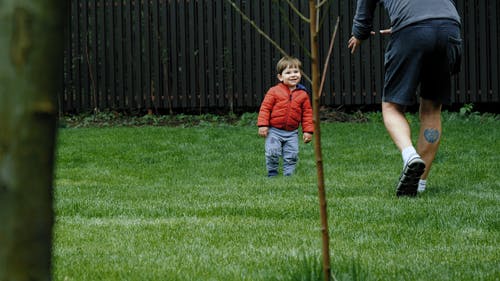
{"x": 172, "y": 203}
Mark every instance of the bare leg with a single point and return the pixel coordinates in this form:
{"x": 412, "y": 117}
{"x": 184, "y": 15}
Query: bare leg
{"x": 396, "y": 124}
{"x": 430, "y": 133}
{"x": 400, "y": 132}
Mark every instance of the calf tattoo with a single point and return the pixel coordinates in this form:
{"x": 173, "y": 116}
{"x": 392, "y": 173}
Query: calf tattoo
{"x": 431, "y": 135}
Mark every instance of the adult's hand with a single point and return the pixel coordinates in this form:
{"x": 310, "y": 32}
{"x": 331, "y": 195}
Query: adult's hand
{"x": 353, "y": 44}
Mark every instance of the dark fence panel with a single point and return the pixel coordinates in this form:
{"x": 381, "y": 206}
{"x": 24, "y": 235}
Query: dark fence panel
{"x": 174, "y": 55}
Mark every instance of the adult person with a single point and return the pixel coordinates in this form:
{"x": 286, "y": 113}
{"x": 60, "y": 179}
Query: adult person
{"x": 424, "y": 50}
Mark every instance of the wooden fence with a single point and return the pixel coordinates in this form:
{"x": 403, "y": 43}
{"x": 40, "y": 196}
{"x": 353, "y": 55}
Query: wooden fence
{"x": 200, "y": 54}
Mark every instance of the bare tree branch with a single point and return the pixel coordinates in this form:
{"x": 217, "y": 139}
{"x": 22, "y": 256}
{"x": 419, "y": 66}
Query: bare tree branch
{"x": 294, "y": 32}
{"x": 325, "y": 16}
{"x": 330, "y": 49}
{"x": 317, "y": 17}
{"x": 263, "y": 33}
{"x": 317, "y": 140}
{"x": 304, "y": 18}
{"x": 318, "y": 6}
{"x": 260, "y": 31}
{"x": 316, "y": 94}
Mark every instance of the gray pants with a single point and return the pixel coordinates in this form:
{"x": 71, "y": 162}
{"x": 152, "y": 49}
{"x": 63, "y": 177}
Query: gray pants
{"x": 281, "y": 143}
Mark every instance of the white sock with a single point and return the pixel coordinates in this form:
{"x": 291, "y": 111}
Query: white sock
{"x": 421, "y": 185}
{"x": 407, "y": 153}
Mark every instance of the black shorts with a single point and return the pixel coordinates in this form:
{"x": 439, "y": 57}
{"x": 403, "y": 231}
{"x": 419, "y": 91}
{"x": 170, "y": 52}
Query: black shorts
{"x": 426, "y": 53}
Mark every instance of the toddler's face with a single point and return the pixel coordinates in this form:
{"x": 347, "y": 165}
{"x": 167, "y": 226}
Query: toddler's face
{"x": 290, "y": 76}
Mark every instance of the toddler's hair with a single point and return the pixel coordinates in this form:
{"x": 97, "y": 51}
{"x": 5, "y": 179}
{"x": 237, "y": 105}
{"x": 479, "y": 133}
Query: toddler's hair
{"x": 285, "y": 62}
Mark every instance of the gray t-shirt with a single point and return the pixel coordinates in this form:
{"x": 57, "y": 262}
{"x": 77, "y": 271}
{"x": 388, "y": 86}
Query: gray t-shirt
{"x": 401, "y": 13}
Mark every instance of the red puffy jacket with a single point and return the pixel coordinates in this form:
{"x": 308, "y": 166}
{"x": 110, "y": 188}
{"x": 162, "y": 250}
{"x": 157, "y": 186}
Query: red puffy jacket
{"x": 284, "y": 109}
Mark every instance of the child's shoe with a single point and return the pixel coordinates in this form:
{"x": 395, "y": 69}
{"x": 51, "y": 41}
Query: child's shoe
{"x": 272, "y": 173}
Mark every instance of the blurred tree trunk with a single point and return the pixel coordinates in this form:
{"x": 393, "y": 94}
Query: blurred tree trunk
{"x": 31, "y": 59}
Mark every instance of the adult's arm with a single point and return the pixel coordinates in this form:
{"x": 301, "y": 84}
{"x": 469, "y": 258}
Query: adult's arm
{"x": 363, "y": 20}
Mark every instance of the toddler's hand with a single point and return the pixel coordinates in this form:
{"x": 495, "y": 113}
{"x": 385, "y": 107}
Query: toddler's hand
{"x": 307, "y": 137}
{"x": 263, "y": 131}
